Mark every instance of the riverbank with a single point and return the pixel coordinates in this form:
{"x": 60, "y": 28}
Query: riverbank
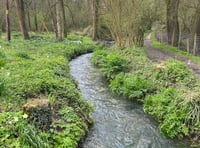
{"x": 118, "y": 122}
{"x": 41, "y": 105}
{"x": 168, "y": 90}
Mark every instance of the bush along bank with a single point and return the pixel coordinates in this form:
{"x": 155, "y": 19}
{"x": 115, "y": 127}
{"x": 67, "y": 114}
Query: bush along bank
{"x": 41, "y": 106}
{"x": 169, "y": 90}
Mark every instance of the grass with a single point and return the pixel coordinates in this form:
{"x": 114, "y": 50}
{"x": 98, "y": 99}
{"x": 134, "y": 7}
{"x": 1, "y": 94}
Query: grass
{"x": 38, "y": 69}
{"x": 159, "y": 45}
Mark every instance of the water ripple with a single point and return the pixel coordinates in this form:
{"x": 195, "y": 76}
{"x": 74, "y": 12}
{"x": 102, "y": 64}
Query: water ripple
{"x": 119, "y": 123}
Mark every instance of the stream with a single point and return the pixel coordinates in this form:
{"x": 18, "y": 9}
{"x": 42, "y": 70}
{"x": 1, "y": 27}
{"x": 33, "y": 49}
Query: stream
{"x": 119, "y": 122}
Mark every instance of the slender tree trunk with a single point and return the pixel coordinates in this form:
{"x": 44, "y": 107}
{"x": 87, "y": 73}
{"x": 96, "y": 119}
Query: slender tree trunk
{"x": 196, "y": 28}
{"x": 21, "y": 15}
{"x": 59, "y": 21}
{"x": 63, "y": 18}
{"x": 95, "y": 19}
{"x": 172, "y": 22}
{"x": 71, "y": 13}
{"x": 8, "y": 21}
{"x": 52, "y": 12}
{"x": 35, "y": 16}
{"x": 29, "y": 19}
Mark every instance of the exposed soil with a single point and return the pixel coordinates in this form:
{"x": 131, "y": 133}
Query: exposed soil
{"x": 159, "y": 55}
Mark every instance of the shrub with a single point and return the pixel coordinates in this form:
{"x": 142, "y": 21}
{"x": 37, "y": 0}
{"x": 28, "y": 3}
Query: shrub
{"x": 168, "y": 107}
{"x": 99, "y": 57}
{"x": 131, "y": 85}
{"x": 174, "y": 72}
{"x": 137, "y": 59}
{"x": 68, "y": 136}
{"x": 113, "y": 65}
{"x": 174, "y": 124}
{"x": 117, "y": 84}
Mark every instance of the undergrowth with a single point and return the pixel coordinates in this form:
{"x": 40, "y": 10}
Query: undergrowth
{"x": 168, "y": 90}
{"x": 39, "y": 69}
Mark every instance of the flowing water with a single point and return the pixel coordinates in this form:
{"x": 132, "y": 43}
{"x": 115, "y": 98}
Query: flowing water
{"x": 119, "y": 123}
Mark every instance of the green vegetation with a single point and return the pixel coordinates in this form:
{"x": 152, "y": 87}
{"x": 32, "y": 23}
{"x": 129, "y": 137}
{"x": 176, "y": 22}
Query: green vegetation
{"x": 168, "y": 90}
{"x": 17, "y": 132}
{"x": 113, "y": 65}
{"x": 168, "y": 107}
{"x": 132, "y": 85}
{"x": 38, "y": 69}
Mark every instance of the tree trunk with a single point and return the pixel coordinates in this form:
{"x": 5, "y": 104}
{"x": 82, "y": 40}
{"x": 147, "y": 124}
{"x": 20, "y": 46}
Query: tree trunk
{"x": 8, "y": 21}
{"x": 59, "y": 21}
{"x": 53, "y": 17}
{"x": 35, "y": 16}
{"x": 172, "y": 22}
{"x": 196, "y": 28}
{"x": 63, "y": 18}
{"x": 21, "y": 15}
{"x": 95, "y": 19}
{"x": 29, "y": 19}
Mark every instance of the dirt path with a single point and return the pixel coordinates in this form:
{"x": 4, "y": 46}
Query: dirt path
{"x": 158, "y": 55}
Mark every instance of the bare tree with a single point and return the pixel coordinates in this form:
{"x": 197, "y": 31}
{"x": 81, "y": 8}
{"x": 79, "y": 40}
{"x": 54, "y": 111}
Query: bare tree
{"x": 172, "y": 22}
{"x": 63, "y": 18}
{"x": 35, "y": 15}
{"x": 95, "y": 18}
{"x": 59, "y": 21}
{"x": 126, "y": 21}
{"x": 8, "y": 21}
{"x": 21, "y": 15}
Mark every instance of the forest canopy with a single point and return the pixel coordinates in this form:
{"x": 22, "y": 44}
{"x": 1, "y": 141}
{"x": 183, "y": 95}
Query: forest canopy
{"x": 176, "y": 22}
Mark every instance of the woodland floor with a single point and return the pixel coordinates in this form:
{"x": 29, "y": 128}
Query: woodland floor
{"x": 159, "y": 55}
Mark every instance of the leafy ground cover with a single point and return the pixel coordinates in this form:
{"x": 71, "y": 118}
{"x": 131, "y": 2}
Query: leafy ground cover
{"x": 168, "y": 89}
{"x": 38, "y": 69}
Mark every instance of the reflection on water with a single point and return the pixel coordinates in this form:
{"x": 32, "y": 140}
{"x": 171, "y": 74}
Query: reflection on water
{"x": 119, "y": 123}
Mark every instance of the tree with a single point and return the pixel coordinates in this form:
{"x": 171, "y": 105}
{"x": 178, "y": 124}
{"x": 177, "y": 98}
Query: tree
{"x": 52, "y": 11}
{"x": 35, "y": 15}
{"x": 127, "y": 21}
{"x": 172, "y": 22}
{"x": 8, "y": 21}
{"x": 59, "y": 21}
{"x": 197, "y": 19}
{"x": 21, "y": 16}
{"x": 95, "y": 18}
{"x": 61, "y": 24}
{"x": 63, "y": 18}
